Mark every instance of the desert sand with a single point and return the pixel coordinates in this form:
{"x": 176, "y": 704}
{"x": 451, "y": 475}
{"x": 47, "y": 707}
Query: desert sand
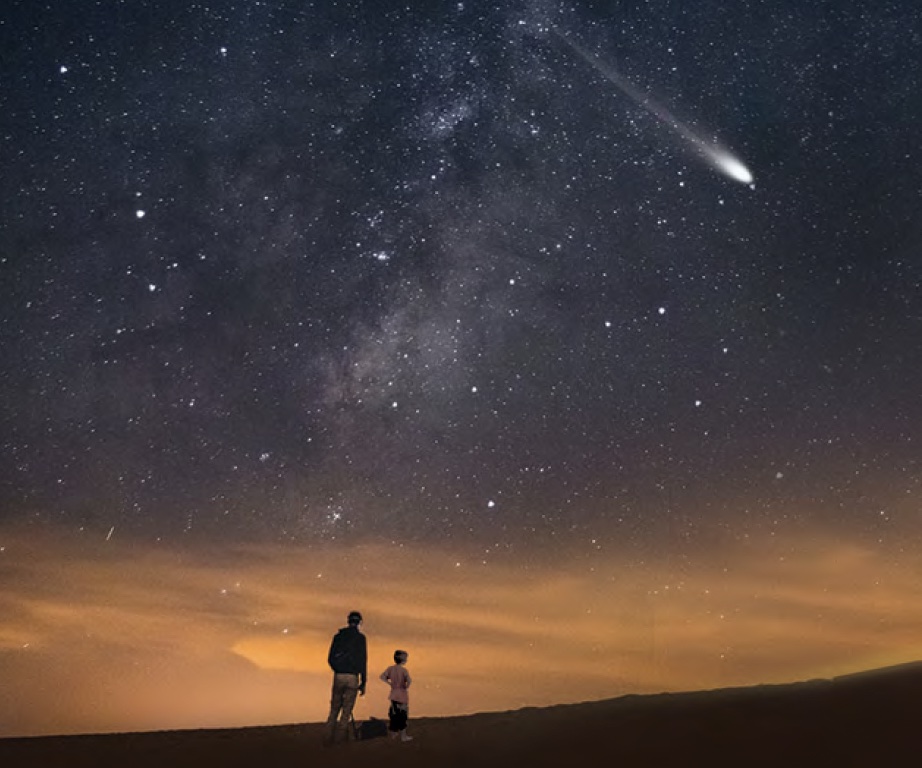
{"x": 868, "y": 719}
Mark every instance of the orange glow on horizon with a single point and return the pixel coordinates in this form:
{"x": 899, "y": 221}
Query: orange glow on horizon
{"x": 113, "y": 636}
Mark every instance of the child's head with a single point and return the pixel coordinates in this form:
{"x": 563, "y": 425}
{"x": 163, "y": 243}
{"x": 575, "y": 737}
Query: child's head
{"x": 400, "y": 657}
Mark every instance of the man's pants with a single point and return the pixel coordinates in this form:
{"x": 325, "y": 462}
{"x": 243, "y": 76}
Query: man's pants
{"x": 342, "y": 700}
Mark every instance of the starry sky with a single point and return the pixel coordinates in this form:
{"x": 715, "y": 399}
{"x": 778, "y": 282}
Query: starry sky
{"x": 444, "y": 311}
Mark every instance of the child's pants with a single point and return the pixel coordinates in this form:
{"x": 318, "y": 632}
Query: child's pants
{"x": 398, "y": 714}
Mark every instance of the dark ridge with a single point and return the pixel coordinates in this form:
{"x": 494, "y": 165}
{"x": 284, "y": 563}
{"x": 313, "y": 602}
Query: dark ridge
{"x": 864, "y": 719}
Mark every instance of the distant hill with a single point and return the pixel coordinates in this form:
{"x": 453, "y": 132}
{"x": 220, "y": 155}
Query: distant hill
{"x": 869, "y": 719}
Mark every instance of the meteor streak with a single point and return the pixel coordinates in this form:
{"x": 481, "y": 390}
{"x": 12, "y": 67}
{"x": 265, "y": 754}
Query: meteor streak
{"x": 717, "y": 157}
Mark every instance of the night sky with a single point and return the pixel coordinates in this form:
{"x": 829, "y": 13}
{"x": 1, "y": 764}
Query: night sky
{"x": 441, "y": 311}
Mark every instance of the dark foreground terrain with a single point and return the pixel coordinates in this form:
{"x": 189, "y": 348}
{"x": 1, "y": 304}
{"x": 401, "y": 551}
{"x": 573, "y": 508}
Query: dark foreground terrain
{"x": 868, "y": 719}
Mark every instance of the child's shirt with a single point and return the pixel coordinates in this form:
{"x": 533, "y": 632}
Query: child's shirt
{"x": 398, "y": 676}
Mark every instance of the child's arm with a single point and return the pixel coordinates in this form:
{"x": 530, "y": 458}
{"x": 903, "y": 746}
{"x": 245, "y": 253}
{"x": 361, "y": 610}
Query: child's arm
{"x": 385, "y": 676}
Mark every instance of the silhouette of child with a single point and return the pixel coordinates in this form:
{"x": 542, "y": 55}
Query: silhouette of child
{"x": 398, "y": 677}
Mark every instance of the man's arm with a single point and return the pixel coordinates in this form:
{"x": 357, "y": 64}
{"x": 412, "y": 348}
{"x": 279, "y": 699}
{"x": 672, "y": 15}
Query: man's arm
{"x": 363, "y": 675}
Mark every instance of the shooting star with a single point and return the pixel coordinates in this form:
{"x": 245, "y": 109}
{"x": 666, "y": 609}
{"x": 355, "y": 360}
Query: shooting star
{"x": 717, "y": 157}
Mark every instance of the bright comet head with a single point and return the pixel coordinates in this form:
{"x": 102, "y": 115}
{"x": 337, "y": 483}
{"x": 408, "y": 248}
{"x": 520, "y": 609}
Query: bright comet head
{"x": 729, "y": 165}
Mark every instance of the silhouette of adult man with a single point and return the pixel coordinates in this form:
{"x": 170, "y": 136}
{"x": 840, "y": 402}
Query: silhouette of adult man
{"x": 348, "y": 658}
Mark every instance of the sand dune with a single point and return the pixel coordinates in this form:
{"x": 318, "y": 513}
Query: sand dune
{"x": 866, "y": 719}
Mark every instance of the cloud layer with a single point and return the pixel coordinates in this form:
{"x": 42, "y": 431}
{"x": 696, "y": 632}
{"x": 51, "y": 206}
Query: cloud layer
{"x": 110, "y": 636}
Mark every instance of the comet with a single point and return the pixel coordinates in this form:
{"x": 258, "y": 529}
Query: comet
{"x": 717, "y": 157}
